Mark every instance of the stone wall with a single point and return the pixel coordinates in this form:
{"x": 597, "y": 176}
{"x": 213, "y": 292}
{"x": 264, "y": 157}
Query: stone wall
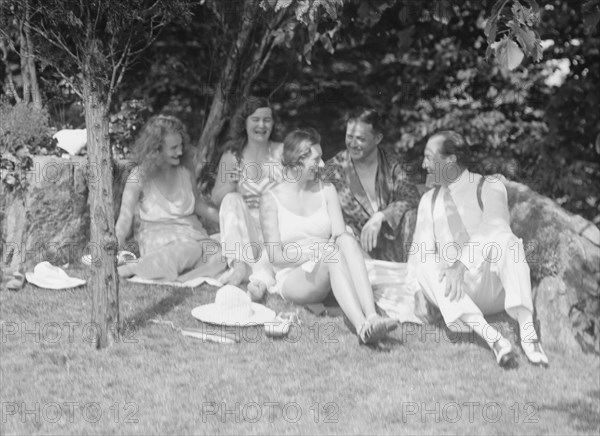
{"x": 49, "y": 220}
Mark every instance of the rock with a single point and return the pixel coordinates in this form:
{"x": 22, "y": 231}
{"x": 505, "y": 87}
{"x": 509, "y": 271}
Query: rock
{"x": 49, "y": 220}
{"x": 563, "y": 252}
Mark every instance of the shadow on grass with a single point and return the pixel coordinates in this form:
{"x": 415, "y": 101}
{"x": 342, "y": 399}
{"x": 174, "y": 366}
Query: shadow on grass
{"x": 161, "y": 307}
{"x": 385, "y": 345}
{"x": 583, "y": 414}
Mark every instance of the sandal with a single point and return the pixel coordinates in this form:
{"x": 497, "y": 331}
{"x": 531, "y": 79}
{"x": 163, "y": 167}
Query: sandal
{"x": 16, "y": 282}
{"x": 375, "y": 328}
{"x": 124, "y": 257}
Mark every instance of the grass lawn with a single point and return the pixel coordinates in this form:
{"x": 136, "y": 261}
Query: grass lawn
{"x": 318, "y": 381}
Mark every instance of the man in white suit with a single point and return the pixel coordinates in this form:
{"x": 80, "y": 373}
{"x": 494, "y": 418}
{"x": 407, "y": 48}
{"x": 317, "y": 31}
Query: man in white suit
{"x": 465, "y": 257}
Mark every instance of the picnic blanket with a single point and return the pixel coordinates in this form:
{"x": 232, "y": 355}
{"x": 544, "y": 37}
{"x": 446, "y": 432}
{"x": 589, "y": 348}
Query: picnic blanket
{"x": 391, "y": 291}
{"x": 191, "y": 279}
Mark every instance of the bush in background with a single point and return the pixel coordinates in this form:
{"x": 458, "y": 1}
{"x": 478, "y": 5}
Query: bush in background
{"x": 24, "y": 131}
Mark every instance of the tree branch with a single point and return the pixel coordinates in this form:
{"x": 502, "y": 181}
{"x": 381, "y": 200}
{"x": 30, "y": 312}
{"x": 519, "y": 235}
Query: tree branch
{"x": 75, "y": 89}
{"x": 120, "y": 67}
{"x": 55, "y": 40}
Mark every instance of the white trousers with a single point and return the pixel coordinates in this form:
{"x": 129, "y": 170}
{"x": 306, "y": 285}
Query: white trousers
{"x": 500, "y": 283}
{"x": 242, "y": 238}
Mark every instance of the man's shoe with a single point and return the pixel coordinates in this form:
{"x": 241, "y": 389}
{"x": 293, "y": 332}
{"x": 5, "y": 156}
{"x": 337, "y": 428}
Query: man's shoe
{"x": 503, "y": 351}
{"x": 534, "y": 352}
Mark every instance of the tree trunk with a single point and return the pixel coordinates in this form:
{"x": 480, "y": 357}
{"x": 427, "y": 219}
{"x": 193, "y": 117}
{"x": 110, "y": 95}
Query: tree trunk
{"x": 223, "y": 101}
{"x": 24, "y": 65}
{"x": 104, "y": 281}
{"x": 11, "y": 90}
{"x": 36, "y": 97}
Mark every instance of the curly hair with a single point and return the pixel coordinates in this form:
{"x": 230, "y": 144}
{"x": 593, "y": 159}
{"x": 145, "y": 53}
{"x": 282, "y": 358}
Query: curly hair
{"x": 237, "y": 136}
{"x": 148, "y": 146}
{"x": 296, "y": 146}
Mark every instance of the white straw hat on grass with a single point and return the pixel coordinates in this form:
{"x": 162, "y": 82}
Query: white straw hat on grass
{"x": 233, "y": 307}
{"x": 46, "y": 275}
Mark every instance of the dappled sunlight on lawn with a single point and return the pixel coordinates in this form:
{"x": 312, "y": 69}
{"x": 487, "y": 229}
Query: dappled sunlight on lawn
{"x": 318, "y": 380}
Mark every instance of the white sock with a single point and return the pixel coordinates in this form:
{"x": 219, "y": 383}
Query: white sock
{"x": 480, "y": 326}
{"x": 526, "y": 325}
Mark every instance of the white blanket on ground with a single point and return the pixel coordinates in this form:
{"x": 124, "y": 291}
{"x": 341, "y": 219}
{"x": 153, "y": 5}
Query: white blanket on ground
{"x": 188, "y": 280}
{"x": 192, "y": 283}
{"x": 390, "y": 290}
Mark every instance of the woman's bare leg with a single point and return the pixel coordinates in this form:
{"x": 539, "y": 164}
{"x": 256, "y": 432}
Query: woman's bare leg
{"x": 355, "y": 265}
{"x": 301, "y": 287}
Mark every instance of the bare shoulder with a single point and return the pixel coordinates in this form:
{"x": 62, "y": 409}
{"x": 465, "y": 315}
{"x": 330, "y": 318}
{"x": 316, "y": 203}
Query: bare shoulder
{"x": 228, "y": 158}
{"x": 276, "y": 146}
{"x": 330, "y": 191}
{"x": 277, "y": 150}
{"x": 133, "y": 184}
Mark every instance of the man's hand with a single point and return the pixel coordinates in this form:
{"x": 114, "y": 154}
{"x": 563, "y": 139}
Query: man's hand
{"x": 455, "y": 280}
{"x": 370, "y": 231}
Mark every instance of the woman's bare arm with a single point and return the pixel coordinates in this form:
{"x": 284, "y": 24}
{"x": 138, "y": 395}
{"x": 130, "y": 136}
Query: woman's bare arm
{"x": 269, "y": 222}
{"x": 338, "y": 226}
{"x": 202, "y": 208}
{"x": 227, "y": 178}
{"x": 131, "y": 195}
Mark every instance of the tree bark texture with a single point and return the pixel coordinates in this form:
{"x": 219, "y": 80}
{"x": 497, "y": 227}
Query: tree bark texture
{"x": 228, "y": 91}
{"x": 104, "y": 279}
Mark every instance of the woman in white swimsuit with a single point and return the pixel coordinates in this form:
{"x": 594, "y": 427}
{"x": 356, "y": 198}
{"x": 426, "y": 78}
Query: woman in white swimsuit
{"x": 161, "y": 193}
{"x": 299, "y": 217}
{"x": 249, "y": 167}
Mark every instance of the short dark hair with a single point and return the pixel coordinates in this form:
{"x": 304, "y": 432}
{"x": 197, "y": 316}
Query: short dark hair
{"x": 367, "y": 116}
{"x": 296, "y": 146}
{"x": 453, "y": 143}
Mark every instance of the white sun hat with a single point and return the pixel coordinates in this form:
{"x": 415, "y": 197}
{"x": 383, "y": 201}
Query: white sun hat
{"x": 233, "y": 307}
{"x": 46, "y": 275}
{"x": 71, "y": 140}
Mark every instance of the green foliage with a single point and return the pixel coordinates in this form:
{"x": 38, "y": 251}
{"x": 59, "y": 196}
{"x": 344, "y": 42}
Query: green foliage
{"x": 520, "y": 37}
{"x": 425, "y": 77}
{"x": 125, "y": 125}
{"x": 24, "y": 132}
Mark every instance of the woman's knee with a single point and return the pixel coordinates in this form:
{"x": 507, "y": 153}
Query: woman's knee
{"x": 232, "y": 199}
{"x": 306, "y": 296}
{"x": 345, "y": 239}
{"x": 335, "y": 258}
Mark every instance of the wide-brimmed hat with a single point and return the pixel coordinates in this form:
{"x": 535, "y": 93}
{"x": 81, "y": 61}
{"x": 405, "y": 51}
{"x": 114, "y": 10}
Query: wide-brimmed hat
{"x": 233, "y": 307}
{"x": 46, "y": 275}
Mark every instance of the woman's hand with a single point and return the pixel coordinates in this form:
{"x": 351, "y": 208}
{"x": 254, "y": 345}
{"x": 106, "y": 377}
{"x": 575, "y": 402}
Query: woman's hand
{"x": 228, "y": 177}
{"x": 252, "y": 201}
